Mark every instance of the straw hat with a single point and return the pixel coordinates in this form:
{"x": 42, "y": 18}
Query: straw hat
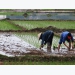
{"x": 39, "y": 35}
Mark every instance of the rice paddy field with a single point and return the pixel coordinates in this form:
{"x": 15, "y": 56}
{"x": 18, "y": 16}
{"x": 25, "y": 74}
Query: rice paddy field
{"x": 5, "y": 25}
{"x": 31, "y": 37}
{"x": 43, "y": 24}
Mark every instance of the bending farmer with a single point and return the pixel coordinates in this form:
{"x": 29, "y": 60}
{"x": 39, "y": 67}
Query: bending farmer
{"x": 46, "y": 37}
{"x": 66, "y": 36}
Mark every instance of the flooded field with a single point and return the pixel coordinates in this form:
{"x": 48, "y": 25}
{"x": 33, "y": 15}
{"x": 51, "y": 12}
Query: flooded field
{"x": 11, "y": 45}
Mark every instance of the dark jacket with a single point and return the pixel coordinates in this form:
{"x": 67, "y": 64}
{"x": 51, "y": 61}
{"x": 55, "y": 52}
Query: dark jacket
{"x": 45, "y": 37}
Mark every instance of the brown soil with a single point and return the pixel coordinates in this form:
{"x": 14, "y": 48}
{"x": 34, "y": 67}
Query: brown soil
{"x": 34, "y": 52}
{"x": 61, "y": 54}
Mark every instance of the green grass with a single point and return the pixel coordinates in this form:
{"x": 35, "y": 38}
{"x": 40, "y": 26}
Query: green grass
{"x": 39, "y": 63}
{"x": 43, "y": 24}
{"x": 37, "y": 60}
{"x": 4, "y": 25}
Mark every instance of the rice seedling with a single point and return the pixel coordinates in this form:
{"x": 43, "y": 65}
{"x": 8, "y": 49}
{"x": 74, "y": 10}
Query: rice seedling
{"x": 29, "y": 37}
{"x": 33, "y": 39}
{"x": 4, "y": 25}
{"x": 43, "y": 24}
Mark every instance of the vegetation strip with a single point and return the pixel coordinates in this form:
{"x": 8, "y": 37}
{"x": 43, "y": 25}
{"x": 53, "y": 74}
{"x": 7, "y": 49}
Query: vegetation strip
{"x": 38, "y": 58}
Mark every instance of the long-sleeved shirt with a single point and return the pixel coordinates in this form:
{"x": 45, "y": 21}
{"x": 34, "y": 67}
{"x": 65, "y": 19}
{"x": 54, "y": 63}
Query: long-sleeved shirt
{"x": 46, "y": 36}
{"x": 63, "y": 37}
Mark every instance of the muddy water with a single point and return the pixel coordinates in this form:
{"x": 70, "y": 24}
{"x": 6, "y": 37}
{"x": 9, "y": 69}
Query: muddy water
{"x": 46, "y": 16}
{"x": 10, "y": 45}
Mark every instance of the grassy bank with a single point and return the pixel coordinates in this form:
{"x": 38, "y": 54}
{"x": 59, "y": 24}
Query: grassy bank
{"x": 40, "y": 63}
{"x": 4, "y": 25}
{"x": 37, "y": 60}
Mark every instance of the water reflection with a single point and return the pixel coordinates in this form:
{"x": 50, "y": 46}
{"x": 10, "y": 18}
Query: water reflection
{"x": 46, "y": 16}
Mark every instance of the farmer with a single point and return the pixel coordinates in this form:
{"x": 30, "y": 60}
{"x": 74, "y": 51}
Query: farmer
{"x": 46, "y": 37}
{"x": 66, "y": 36}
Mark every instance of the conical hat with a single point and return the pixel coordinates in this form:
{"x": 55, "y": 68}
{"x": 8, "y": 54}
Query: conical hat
{"x": 39, "y": 35}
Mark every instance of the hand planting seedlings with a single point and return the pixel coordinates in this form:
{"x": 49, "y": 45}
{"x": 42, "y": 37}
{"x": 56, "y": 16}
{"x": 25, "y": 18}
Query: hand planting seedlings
{"x": 47, "y": 38}
{"x": 66, "y": 36}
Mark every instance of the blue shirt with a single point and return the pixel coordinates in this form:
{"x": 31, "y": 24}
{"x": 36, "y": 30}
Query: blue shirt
{"x": 63, "y": 37}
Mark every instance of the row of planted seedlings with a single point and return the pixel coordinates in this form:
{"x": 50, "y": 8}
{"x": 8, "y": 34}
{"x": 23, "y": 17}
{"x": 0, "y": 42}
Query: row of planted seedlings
{"x": 43, "y": 24}
{"x": 31, "y": 38}
{"x": 5, "y": 25}
{"x": 27, "y": 36}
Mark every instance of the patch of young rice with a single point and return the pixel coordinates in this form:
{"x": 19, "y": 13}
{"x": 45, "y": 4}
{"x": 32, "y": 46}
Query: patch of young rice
{"x": 43, "y": 24}
{"x": 4, "y": 25}
{"x": 28, "y": 26}
{"x": 25, "y": 25}
{"x": 32, "y": 39}
{"x": 32, "y": 24}
{"x": 55, "y": 41}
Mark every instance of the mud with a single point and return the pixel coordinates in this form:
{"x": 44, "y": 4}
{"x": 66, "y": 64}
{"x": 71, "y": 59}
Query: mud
{"x": 11, "y": 46}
